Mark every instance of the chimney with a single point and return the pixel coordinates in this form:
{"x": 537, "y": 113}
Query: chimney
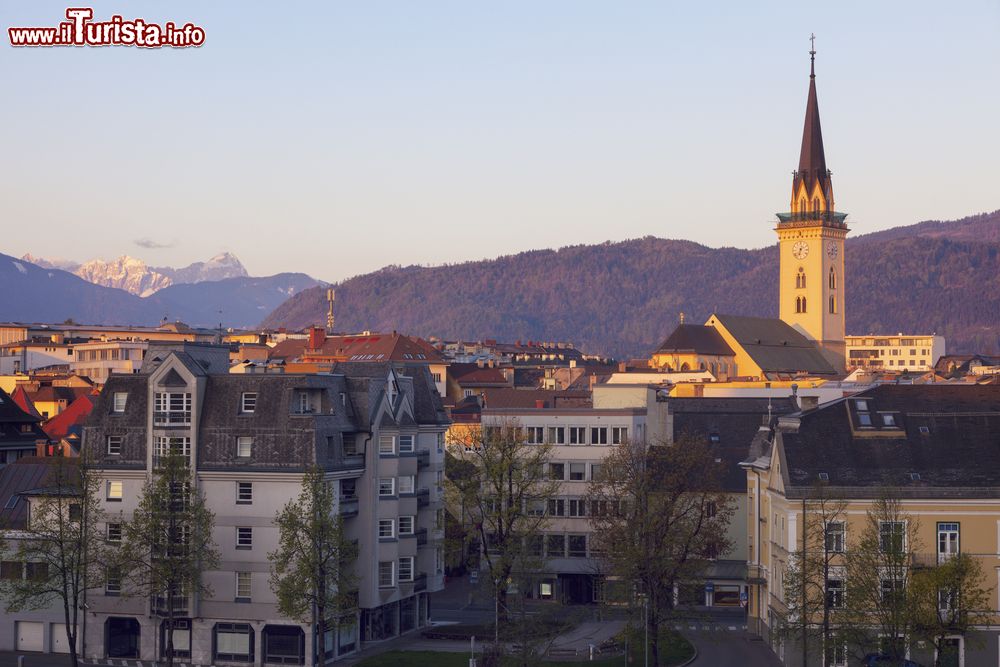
{"x": 539, "y": 404}
{"x": 480, "y": 363}
{"x": 316, "y": 338}
{"x": 621, "y": 366}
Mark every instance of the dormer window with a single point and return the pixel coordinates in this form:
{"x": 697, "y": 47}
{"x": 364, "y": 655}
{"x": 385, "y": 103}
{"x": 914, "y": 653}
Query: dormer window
{"x": 889, "y": 420}
{"x": 119, "y": 400}
{"x": 303, "y": 404}
{"x": 248, "y": 402}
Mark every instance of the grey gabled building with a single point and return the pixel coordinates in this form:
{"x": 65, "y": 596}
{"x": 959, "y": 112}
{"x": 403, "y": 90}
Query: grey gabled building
{"x": 376, "y": 429}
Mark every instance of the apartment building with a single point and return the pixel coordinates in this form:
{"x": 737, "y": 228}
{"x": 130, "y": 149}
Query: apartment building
{"x": 375, "y": 429}
{"x": 936, "y": 447}
{"x": 99, "y": 359}
{"x": 901, "y": 352}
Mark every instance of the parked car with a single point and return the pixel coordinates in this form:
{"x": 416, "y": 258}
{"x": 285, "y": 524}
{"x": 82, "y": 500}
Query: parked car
{"x": 884, "y": 660}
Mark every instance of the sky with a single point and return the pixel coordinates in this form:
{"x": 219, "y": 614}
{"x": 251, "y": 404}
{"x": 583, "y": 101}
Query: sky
{"x": 341, "y": 137}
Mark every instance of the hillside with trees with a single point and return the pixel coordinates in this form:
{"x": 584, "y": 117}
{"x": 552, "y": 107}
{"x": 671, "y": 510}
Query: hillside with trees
{"x": 623, "y": 298}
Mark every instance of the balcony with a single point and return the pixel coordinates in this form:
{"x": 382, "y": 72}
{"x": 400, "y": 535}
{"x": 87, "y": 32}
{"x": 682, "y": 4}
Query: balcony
{"x": 423, "y": 459}
{"x": 421, "y": 536}
{"x": 756, "y": 574}
{"x": 158, "y": 605}
{"x": 423, "y": 497}
{"x": 420, "y": 583}
{"x": 349, "y": 507}
{"x": 172, "y": 418}
{"x": 799, "y": 219}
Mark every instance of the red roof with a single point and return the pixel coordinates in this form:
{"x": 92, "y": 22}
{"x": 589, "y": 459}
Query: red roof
{"x": 474, "y": 374}
{"x": 20, "y": 396}
{"x": 74, "y": 415}
{"x": 376, "y": 347}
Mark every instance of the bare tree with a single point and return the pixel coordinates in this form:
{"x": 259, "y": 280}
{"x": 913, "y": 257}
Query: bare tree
{"x": 814, "y": 579}
{"x": 659, "y": 515}
{"x": 63, "y": 553}
{"x": 167, "y": 544}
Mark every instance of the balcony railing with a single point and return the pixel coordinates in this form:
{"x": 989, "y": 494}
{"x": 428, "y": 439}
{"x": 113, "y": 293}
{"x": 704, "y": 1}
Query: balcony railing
{"x": 830, "y": 218}
{"x": 421, "y": 536}
{"x": 756, "y": 574}
{"x": 420, "y": 583}
{"x": 349, "y": 507}
{"x": 423, "y": 497}
{"x": 173, "y": 418}
{"x": 423, "y": 459}
{"x": 158, "y": 605}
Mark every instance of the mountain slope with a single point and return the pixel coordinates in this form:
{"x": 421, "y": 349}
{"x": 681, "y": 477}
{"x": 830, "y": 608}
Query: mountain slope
{"x": 624, "y": 298}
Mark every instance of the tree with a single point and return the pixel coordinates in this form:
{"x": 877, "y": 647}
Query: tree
{"x": 312, "y": 568}
{"x": 815, "y": 571}
{"x": 949, "y": 598}
{"x": 879, "y": 579}
{"x": 60, "y": 547}
{"x": 659, "y": 515}
{"x": 505, "y": 501}
{"x": 167, "y": 544}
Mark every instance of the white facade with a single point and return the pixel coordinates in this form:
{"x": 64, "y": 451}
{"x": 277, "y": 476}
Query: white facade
{"x": 901, "y": 352}
{"x": 99, "y": 359}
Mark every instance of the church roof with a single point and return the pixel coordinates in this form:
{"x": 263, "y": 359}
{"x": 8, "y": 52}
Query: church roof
{"x": 695, "y": 339}
{"x": 774, "y": 345}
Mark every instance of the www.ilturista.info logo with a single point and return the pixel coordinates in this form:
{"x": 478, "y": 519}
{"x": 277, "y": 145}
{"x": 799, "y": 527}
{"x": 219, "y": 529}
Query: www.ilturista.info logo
{"x": 80, "y": 30}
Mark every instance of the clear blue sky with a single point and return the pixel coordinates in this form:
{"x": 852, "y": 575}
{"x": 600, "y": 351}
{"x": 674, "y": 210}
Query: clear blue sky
{"x": 346, "y": 136}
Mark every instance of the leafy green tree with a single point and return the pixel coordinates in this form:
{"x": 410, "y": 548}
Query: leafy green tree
{"x": 167, "y": 544}
{"x": 948, "y": 599}
{"x": 312, "y": 568}
{"x": 63, "y": 553}
{"x": 659, "y": 514}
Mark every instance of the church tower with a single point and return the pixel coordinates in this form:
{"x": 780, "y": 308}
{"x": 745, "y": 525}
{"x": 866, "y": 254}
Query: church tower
{"x": 811, "y": 244}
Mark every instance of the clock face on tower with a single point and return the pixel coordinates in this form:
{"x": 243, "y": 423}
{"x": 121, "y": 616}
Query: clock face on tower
{"x": 800, "y": 250}
{"x": 831, "y": 250}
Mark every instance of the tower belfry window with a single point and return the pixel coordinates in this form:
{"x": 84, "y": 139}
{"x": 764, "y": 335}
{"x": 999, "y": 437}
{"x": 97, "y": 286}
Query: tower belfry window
{"x": 816, "y": 205}
{"x": 800, "y": 304}
{"x": 803, "y": 206}
{"x": 833, "y": 279}
{"x": 800, "y": 279}
{"x": 833, "y": 304}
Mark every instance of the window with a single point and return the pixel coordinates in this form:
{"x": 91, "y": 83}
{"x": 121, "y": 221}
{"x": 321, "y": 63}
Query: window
{"x": 557, "y": 507}
{"x": 114, "y": 532}
{"x": 119, "y": 400}
{"x": 833, "y": 304}
{"x": 534, "y": 435}
{"x": 834, "y": 593}
{"x": 164, "y": 446}
{"x": 577, "y": 546}
{"x": 114, "y": 491}
{"x": 836, "y": 653}
{"x": 947, "y": 540}
{"x": 800, "y": 278}
{"x": 386, "y": 574}
{"x": 577, "y": 507}
{"x": 599, "y": 435}
{"x": 835, "y": 537}
{"x": 800, "y": 304}
{"x": 387, "y": 486}
{"x": 557, "y": 435}
{"x": 244, "y": 446}
{"x": 75, "y": 512}
{"x": 406, "y": 568}
{"x": 386, "y": 528}
{"x": 535, "y": 507}
{"x": 112, "y": 582}
{"x": 114, "y": 445}
{"x": 888, "y": 420}
{"x": 619, "y": 435}
{"x": 171, "y": 408}
{"x": 577, "y": 435}
{"x": 387, "y": 445}
{"x": 348, "y": 489}
{"x": 833, "y": 279}
{"x": 595, "y": 470}
{"x": 555, "y": 546}
{"x": 284, "y": 645}
{"x": 890, "y": 589}
{"x": 244, "y": 537}
{"x": 577, "y": 471}
{"x": 303, "y": 403}
{"x": 248, "y": 401}
{"x": 244, "y": 493}
{"x": 406, "y": 484}
{"x": 405, "y": 444}
{"x": 557, "y": 471}
{"x": 406, "y": 524}
{"x": 440, "y": 442}
{"x": 892, "y": 536}
{"x": 234, "y": 642}
{"x": 243, "y": 583}
{"x": 865, "y": 419}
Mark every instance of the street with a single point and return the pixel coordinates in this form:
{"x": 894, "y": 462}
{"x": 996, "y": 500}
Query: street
{"x": 718, "y": 646}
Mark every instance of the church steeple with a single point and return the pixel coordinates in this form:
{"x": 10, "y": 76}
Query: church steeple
{"x": 812, "y": 171}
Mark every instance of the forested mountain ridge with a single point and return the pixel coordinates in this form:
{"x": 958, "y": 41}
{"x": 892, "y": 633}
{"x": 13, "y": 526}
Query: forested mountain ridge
{"x": 623, "y": 298}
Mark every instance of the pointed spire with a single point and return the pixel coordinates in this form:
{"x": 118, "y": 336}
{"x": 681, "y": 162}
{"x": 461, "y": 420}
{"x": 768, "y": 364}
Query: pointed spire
{"x": 812, "y": 158}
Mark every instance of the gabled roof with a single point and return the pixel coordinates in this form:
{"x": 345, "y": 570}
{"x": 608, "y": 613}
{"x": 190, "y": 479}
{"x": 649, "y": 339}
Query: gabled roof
{"x": 23, "y": 401}
{"x": 774, "y": 345}
{"x": 26, "y": 474}
{"x": 474, "y": 374}
{"x": 74, "y": 416}
{"x": 695, "y": 339}
{"x": 943, "y": 441}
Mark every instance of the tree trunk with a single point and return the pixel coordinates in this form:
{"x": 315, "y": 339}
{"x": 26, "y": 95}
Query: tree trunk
{"x": 170, "y": 626}
{"x": 653, "y": 624}
{"x": 70, "y": 634}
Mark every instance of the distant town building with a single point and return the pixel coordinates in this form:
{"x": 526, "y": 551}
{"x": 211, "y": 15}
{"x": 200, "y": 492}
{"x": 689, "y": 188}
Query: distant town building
{"x": 99, "y": 359}
{"x": 901, "y": 352}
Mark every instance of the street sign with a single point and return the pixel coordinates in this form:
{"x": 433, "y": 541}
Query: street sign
{"x": 709, "y": 586}
{"x": 744, "y": 599}
{"x": 474, "y": 577}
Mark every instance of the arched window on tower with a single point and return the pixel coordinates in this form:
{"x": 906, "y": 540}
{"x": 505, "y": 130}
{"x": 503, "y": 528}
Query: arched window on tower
{"x": 803, "y": 205}
{"x": 800, "y": 279}
{"x": 800, "y": 304}
{"x": 833, "y": 279}
{"x": 833, "y": 304}
{"x": 816, "y": 205}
